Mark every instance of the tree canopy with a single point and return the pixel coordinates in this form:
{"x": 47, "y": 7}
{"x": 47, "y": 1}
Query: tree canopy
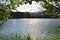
{"x": 52, "y": 6}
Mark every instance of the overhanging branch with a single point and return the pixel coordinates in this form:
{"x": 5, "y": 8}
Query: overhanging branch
{"x": 51, "y": 5}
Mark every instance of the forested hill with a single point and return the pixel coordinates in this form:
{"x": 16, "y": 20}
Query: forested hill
{"x": 31, "y": 15}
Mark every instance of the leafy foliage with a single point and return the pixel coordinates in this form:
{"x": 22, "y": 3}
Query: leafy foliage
{"x": 4, "y": 12}
{"x": 15, "y": 37}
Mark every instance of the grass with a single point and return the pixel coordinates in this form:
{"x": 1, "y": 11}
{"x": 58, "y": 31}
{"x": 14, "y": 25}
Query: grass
{"x": 16, "y": 37}
{"x": 27, "y": 37}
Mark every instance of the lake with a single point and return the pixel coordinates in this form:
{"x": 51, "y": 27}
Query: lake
{"x": 33, "y": 26}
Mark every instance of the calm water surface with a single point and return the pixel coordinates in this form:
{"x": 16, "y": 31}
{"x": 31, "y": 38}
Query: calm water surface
{"x": 31, "y": 26}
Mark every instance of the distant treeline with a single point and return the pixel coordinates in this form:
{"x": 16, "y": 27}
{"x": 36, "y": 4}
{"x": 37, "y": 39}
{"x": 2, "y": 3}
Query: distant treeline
{"x": 32, "y": 15}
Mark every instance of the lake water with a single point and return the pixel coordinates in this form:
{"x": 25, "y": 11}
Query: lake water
{"x": 28, "y": 25}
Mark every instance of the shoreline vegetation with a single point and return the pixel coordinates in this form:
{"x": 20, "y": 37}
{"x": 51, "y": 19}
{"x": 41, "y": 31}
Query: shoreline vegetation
{"x": 15, "y": 37}
{"x": 33, "y": 15}
{"x": 27, "y": 37}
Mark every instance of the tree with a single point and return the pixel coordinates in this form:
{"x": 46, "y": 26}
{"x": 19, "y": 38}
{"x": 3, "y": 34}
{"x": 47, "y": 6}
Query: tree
{"x": 52, "y": 6}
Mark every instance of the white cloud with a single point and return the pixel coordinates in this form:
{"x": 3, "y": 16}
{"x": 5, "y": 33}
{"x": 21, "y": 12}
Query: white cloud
{"x": 34, "y": 7}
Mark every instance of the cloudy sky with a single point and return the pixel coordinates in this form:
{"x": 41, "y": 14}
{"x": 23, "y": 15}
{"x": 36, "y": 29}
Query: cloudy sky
{"x": 34, "y": 7}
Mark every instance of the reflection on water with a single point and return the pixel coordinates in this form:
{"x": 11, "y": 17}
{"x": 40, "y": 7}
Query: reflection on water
{"x": 32, "y": 26}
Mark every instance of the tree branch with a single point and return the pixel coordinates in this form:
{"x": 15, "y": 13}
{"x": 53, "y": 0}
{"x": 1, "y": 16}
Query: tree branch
{"x": 51, "y": 5}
